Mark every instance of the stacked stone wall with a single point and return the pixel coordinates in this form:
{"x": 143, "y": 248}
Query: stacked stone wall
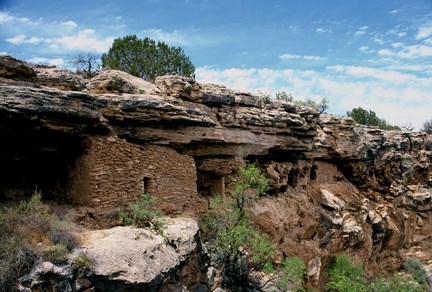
{"x": 114, "y": 172}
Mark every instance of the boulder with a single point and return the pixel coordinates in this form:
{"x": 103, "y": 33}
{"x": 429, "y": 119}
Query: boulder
{"x": 51, "y": 76}
{"x": 115, "y": 81}
{"x": 178, "y": 86}
{"x": 132, "y": 258}
{"x": 11, "y": 68}
{"x": 331, "y": 201}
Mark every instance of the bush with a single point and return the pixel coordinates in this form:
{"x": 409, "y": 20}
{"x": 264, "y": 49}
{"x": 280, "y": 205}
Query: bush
{"x": 22, "y": 228}
{"x": 344, "y": 276}
{"x": 143, "y": 213}
{"x": 288, "y": 277}
{"x": 231, "y": 233}
{"x": 57, "y": 254}
{"x": 398, "y": 282}
{"x": 17, "y": 259}
{"x": 82, "y": 263}
{"x": 369, "y": 118}
{"x": 415, "y": 268}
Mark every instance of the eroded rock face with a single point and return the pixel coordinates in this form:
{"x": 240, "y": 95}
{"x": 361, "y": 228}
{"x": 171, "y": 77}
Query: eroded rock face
{"x": 334, "y": 187}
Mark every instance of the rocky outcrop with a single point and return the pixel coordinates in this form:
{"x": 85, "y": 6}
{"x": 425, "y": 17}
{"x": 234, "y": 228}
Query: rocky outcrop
{"x": 125, "y": 259}
{"x": 120, "y": 82}
{"x": 334, "y": 187}
{"x": 51, "y": 76}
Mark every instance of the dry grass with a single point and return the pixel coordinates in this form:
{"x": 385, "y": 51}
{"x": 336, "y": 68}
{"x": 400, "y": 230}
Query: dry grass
{"x": 28, "y": 231}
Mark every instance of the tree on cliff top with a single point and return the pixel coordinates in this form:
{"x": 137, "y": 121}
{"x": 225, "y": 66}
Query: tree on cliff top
{"x": 427, "y": 126}
{"x": 146, "y": 59}
{"x": 369, "y": 118}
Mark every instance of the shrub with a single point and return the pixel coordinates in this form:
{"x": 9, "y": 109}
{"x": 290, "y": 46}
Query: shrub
{"x": 22, "y": 228}
{"x": 397, "y": 282}
{"x": 57, "y": 254}
{"x": 232, "y": 235}
{"x": 143, "y": 213}
{"x": 369, "y": 118}
{"x": 289, "y": 276}
{"x": 415, "y": 268}
{"x": 344, "y": 275}
{"x": 82, "y": 263}
{"x": 16, "y": 258}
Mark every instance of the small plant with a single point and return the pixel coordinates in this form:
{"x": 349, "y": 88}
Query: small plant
{"x": 344, "y": 275}
{"x": 57, "y": 254}
{"x": 287, "y": 277}
{"x": 397, "y": 282}
{"x": 143, "y": 213}
{"x": 415, "y": 268}
{"x": 282, "y": 95}
{"x": 82, "y": 263}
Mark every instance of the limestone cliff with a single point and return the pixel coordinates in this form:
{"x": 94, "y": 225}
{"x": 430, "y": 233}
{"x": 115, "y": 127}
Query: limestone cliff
{"x": 100, "y": 143}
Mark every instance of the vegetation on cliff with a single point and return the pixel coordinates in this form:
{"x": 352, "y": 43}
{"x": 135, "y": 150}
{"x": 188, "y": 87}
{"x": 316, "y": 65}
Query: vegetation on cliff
{"x": 146, "y": 59}
{"x": 346, "y": 276}
{"x": 369, "y": 118}
{"x": 242, "y": 248}
{"x": 29, "y": 232}
{"x": 143, "y": 213}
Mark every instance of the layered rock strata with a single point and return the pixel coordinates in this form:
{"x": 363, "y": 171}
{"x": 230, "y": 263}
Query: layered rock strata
{"x": 335, "y": 188}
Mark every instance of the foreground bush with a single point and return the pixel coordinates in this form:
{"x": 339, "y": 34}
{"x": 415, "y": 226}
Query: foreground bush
{"x": 29, "y": 232}
{"x": 143, "y": 213}
{"x": 344, "y": 275}
{"x": 239, "y": 246}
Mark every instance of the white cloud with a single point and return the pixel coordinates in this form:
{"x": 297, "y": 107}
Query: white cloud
{"x": 409, "y": 52}
{"x": 5, "y": 17}
{"x": 361, "y": 31}
{"x": 22, "y": 39}
{"x": 386, "y": 75}
{"x": 378, "y": 40}
{"x": 41, "y": 60}
{"x": 84, "y": 40}
{"x": 174, "y": 37}
{"x": 323, "y": 30}
{"x": 17, "y": 40}
{"x": 366, "y": 49}
{"x": 424, "y": 31}
{"x": 70, "y": 24}
{"x": 395, "y": 96}
{"x": 397, "y": 45}
{"x": 34, "y": 40}
{"x": 288, "y": 56}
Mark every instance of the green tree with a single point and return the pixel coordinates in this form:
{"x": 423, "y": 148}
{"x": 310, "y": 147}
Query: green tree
{"x": 427, "y": 126}
{"x": 369, "y": 118}
{"x": 146, "y": 59}
{"x": 231, "y": 233}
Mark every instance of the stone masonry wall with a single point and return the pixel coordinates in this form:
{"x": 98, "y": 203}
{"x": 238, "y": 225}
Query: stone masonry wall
{"x": 114, "y": 172}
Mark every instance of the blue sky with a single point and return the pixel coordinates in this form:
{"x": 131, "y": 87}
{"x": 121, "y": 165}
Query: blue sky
{"x": 376, "y": 54}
